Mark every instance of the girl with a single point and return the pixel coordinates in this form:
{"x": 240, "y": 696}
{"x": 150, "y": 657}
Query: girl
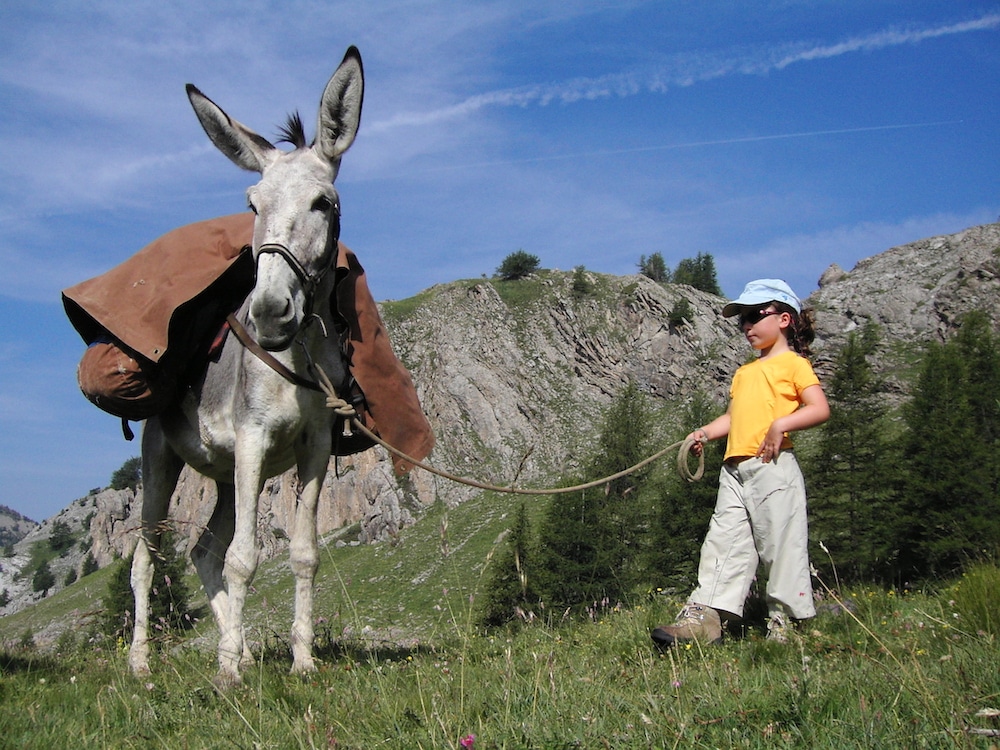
{"x": 760, "y": 514}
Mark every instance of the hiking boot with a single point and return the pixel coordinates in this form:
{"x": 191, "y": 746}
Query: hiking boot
{"x": 777, "y": 628}
{"x": 696, "y": 622}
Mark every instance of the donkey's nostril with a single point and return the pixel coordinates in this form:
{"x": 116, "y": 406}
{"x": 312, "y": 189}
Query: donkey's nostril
{"x": 268, "y": 307}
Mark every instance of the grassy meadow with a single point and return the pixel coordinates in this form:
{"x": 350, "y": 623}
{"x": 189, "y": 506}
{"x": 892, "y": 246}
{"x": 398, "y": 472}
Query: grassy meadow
{"x": 402, "y": 666}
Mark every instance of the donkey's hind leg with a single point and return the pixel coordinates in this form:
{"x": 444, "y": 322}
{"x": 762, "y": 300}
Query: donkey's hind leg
{"x": 209, "y": 557}
{"x": 161, "y": 468}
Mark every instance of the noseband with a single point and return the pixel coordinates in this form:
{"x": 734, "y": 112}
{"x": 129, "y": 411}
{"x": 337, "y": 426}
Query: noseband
{"x": 309, "y": 282}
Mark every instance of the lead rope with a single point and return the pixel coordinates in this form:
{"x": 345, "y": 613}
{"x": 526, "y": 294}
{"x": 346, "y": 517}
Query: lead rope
{"x": 344, "y": 409}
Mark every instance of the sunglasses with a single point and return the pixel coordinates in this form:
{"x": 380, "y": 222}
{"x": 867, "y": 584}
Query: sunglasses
{"x": 752, "y": 318}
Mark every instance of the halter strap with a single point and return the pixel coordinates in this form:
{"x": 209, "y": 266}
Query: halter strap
{"x": 309, "y": 283}
{"x": 266, "y": 357}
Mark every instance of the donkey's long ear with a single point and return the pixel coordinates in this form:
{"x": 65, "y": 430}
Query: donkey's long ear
{"x": 340, "y": 108}
{"x": 243, "y": 146}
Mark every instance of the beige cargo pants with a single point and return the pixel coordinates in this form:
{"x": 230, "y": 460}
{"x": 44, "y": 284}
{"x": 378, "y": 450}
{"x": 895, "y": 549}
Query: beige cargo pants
{"x": 760, "y": 517}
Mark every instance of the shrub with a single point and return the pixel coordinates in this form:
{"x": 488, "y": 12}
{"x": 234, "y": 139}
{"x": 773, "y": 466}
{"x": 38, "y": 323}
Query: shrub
{"x": 43, "y": 579}
{"x": 169, "y": 600}
{"x": 128, "y": 475}
{"x": 518, "y": 265}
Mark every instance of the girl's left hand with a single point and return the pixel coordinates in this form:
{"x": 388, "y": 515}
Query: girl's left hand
{"x": 771, "y": 446}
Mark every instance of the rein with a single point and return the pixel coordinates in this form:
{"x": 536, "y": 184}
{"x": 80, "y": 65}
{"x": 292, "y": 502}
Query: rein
{"x": 350, "y": 416}
{"x": 248, "y": 341}
{"x": 683, "y": 446}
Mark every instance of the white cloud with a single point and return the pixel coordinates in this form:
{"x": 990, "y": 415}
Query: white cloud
{"x": 682, "y": 71}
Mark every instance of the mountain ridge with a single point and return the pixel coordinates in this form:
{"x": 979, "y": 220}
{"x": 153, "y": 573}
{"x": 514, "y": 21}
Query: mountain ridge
{"x": 514, "y": 377}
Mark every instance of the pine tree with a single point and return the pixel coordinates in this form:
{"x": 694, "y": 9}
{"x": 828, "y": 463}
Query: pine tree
{"x": 590, "y": 542}
{"x": 654, "y": 268}
{"x": 517, "y": 265}
{"x": 849, "y": 484}
{"x": 511, "y": 578}
{"x": 582, "y": 285}
{"x": 169, "y": 600}
{"x": 949, "y": 507}
{"x": 61, "y": 537}
{"x": 979, "y": 347}
{"x": 128, "y": 475}
{"x": 43, "y": 579}
{"x": 89, "y": 565}
{"x": 698, "y": 272}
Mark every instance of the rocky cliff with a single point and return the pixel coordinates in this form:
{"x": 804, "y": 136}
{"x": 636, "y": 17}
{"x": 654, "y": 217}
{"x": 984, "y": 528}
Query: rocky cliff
{"x": 515, "y": 375}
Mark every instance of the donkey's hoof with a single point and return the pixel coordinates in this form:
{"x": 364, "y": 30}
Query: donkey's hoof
{"x": 226, "y": 680}
{"x": 304, "y": 666}
{"x": 139, "y": 666}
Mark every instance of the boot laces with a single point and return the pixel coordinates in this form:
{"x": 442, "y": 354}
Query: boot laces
{"x": 691, "y": 614}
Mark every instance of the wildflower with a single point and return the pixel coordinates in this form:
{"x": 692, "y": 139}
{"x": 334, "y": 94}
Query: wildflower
{"x": 467, "y": 741}
{"x": 676, "y": 683}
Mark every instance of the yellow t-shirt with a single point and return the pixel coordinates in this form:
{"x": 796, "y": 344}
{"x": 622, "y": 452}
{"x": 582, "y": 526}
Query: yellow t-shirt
{"x": 761, "y": 392}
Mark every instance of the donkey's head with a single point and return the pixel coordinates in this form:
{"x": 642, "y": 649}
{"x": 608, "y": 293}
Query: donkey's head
{"x": 297, "y": 207}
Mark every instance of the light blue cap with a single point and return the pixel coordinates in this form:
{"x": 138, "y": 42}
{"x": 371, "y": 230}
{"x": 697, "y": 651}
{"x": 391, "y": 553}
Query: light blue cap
{"x": 761, "y": 292}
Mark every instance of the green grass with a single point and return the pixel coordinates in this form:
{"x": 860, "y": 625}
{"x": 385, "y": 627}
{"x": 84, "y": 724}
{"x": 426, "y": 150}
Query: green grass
{"x": 900, "y": 675}
{"x": 401, "y": 666}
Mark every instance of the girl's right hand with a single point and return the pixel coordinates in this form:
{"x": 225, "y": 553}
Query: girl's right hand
{"x": 700, "y": 437}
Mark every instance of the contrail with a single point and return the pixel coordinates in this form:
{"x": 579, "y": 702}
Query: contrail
{"x": 685, "y": 71}
{"x": 889, "y": 38}
{"x": 698, "y": 144}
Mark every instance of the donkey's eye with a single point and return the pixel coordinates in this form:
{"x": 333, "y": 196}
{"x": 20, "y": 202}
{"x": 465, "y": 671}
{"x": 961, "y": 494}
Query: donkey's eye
{"x": 323, "y": 204}
{"x": 252, "y": 207}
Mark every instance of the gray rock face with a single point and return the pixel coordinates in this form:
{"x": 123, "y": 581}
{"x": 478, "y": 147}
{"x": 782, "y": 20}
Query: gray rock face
{"x": 514, "y": 377}
{"x": 916, "y": 291}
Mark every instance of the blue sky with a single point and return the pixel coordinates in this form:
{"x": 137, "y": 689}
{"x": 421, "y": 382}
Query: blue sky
{"x": 778, "y": 136}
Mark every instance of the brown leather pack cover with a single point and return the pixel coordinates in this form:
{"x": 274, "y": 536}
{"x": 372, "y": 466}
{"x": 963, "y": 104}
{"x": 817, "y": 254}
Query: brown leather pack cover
{"x": 162, "y": 307}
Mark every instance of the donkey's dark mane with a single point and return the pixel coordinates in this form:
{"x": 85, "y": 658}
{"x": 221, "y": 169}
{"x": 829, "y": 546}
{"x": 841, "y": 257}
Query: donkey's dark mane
{"x": 293, "y": 132}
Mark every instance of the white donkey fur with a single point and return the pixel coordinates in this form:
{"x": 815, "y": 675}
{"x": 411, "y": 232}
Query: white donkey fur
{"x": 243, "y": 423}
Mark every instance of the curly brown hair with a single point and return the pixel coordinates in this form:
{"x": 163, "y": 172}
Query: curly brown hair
{"x": 801, "y": 332}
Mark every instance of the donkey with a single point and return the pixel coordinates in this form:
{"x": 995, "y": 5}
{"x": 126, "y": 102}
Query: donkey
{"x": 242, "y": 423}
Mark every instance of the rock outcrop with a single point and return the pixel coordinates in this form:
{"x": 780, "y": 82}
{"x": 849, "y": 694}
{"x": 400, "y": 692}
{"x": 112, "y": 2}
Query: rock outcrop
{"x": 514, "y": 377}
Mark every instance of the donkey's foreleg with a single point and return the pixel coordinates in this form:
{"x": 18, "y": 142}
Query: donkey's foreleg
{"x": 160, "y": 469}
{"x": 303, "y": 553}
{"x": 239, "y": 568}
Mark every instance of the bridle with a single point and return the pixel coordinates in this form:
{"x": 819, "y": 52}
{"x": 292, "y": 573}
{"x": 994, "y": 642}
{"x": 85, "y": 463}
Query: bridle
{"x": 310, "y": 282}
